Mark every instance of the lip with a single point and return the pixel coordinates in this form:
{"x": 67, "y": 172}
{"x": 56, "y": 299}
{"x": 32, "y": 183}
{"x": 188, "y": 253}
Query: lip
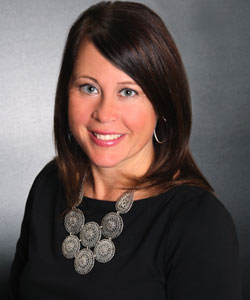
{"x": 106, "y": 143}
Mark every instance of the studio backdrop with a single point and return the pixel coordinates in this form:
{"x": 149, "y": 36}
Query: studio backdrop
{"x": 214, "y": 40}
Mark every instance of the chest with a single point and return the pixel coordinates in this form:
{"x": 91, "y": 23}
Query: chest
{"x": 137, "y": 269}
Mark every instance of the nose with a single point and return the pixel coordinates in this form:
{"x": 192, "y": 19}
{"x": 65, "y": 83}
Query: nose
{"x": 106, "y": 110}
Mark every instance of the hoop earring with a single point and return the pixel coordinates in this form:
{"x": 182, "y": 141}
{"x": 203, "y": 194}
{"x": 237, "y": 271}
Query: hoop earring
{"x": 155, "y": 135}
{"x": 69, "y": 135}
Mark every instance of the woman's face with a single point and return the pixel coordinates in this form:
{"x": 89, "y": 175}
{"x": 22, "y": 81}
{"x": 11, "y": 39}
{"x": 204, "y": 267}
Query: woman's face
{"x": 109, "y": 115}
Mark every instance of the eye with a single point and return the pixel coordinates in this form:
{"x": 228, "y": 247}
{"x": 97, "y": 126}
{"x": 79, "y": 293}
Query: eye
{"x": 88, "y": 89}
{"x": 128, "y": 92}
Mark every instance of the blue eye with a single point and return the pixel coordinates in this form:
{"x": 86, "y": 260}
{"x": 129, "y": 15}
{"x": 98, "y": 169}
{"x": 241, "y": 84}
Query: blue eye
{"x": 89, "y": 88}
{"x": 128, "y": 92}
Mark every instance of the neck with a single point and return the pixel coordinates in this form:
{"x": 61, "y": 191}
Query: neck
{"x": 102, "y": 185}
{"x": 110, "y": 183}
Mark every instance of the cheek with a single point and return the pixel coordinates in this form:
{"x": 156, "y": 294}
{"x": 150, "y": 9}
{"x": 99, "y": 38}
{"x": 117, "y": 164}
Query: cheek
{"x": 77, "y": 113}
{"x": 74, "y": 115}
{"x": 142, "y": 119}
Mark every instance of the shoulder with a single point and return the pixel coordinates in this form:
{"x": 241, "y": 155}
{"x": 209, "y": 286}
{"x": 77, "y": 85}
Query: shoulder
{"x": 186, "y": 197}
{"x": 197, "y": 212}
{"x": 43, "y": 191}
{"x": 47, "y": 179}
{"x": 201, "y": 247}
{"x": 48, "y": 171}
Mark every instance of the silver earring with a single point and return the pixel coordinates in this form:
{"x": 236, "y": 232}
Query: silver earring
{"x": 69, "y": 136}
{"x": 155, "y": 135}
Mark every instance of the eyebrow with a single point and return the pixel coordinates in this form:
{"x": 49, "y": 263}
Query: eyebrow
{"x": 96, "y": 81}
{"x": 128, "y": 82}
{"x": 89, "y": 77}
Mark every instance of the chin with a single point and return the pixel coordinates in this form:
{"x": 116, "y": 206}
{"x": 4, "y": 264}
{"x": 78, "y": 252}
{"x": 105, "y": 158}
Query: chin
{"x": 105, "y": 162}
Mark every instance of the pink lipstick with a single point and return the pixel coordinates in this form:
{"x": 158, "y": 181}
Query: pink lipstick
{"x": 106, "y": 139}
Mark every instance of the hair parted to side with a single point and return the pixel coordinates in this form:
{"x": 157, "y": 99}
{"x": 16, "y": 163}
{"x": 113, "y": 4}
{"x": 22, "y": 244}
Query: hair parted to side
{"x": 134, "y": 39}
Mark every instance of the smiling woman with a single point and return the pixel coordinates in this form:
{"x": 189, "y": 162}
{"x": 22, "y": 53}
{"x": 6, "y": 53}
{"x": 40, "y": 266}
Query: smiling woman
{"x": 123, "y": 207}
{"x": 109, "y": 115}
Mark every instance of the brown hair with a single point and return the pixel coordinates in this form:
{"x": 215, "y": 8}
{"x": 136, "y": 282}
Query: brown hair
{"x": 134, "y": 39}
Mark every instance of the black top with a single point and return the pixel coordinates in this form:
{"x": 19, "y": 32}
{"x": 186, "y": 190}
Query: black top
{"x": 179, "y": 245}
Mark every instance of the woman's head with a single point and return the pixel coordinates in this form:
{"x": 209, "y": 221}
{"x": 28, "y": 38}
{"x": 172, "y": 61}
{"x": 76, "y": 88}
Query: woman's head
{"x": 135, "y": 40}
{"x": 109, "y": 115}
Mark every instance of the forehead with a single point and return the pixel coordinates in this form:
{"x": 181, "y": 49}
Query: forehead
{"x": 91, "y": 62}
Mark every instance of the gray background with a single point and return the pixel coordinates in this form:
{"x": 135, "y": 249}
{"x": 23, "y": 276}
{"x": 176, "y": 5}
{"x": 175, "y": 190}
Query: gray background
{"x": 214, "y": 40}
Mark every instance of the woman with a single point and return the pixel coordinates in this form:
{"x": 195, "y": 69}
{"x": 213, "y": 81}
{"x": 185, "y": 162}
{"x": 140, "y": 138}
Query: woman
{"x": 123, "y": 212}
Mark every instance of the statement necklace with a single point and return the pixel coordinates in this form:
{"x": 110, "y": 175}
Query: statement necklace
{"x": 90, "y": 234}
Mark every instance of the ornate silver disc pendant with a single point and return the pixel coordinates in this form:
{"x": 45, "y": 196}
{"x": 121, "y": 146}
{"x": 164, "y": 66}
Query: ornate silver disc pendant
{"x": 90, "y": 234}
{"x": 84, "y": 262}
{"x": 124, "y": 203}
{"x": 112, "y": 225}
{"x": 70, "y": 246}
{"x": 104, "y": 250}
{"x": 74, "y": 220}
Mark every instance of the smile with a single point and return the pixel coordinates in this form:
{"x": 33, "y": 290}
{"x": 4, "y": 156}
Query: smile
{"x": 107, "y": 137}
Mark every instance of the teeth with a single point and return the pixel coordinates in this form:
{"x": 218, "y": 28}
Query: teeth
{"x": 107, "y": 137}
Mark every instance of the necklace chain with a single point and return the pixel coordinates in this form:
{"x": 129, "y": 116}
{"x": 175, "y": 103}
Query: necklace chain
{"x": 90, "y": 233}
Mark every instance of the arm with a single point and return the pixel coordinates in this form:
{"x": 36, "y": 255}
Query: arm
{"x": 21, "y": 255}
{"x": 22, "y": 248}
{"x": 205, "y": 261}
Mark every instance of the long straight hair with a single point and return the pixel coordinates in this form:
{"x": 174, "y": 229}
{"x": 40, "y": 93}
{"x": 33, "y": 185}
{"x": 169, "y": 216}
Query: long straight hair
{"x": 135, "y": 40}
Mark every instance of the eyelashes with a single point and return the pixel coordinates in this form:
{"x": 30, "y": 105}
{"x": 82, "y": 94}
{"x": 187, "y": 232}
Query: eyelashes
{"x": 90, "y": 89}
{"x": 126, "y": 92}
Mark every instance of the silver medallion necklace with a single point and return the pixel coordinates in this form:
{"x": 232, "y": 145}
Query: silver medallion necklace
{"x": 90, "y": 234}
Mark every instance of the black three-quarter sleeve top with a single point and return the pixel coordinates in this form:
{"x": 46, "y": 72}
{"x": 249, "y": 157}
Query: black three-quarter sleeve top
{"x": 179, "y": 245}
